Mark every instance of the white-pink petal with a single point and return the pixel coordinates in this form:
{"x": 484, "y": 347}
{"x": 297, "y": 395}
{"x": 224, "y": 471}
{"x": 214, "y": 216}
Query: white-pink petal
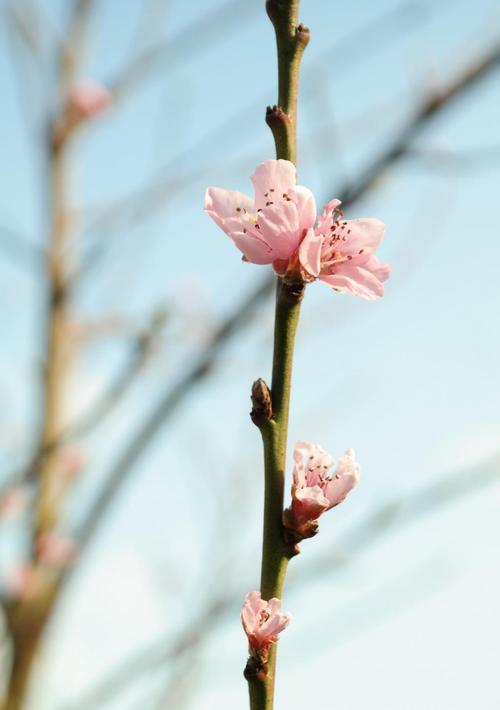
{"x": 310, "y": 252}
{"x": 273, "y": 178}
{"x": 304, "y": 200}
{"x": 357, "y": 280}
{"x": 223, "y": 204}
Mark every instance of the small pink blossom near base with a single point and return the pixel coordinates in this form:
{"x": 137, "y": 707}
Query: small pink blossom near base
{"x": 54, "y": 550}
{"x": 281, "y": 227}
{"x": 262, "y": 621}
{"x": 314, "y": 489}
{"x": 88, "y": 98}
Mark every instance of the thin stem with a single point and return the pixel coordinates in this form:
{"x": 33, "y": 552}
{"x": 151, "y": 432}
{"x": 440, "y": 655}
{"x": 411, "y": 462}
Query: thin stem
{"x": 291, "y": 40}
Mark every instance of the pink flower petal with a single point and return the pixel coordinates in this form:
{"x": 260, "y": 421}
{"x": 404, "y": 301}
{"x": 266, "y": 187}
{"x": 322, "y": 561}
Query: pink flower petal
{"x": 309, "y": 503}
{"x": 344, "y": 479}
{"x": 325, "y": 218}
{"x": 310, "y": 252}
{"x": 253, "y": 249}
{"x": 306, "y": 206}
{"x": 223, "y": 204}
{"x": 274, "y": 177}
{"x": 357, "y": 280}
{"x": 262, "y": 620}
{"x": 279, "y": 227}
{"x": 365, "y": 234}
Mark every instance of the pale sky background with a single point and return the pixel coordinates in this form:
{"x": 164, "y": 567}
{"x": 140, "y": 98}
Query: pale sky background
{"x": 411, "y": 381}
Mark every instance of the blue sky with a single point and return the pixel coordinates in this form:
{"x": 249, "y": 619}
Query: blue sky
{"x": 411, "y": 382}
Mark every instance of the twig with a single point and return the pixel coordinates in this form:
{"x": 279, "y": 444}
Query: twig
{"x": 291, "y": 40}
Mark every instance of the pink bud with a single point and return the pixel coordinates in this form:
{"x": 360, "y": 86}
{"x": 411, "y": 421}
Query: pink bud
{"x": 315, "y": 489}
{"x": 87, "y": 98}
{"x": 262, "y": 621}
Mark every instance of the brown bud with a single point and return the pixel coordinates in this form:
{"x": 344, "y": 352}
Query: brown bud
{"x": 277, "y": 118}
{"x": 256, "y": 667}
{"x": 303, "y": 35}
{"x": 262, "y": 406}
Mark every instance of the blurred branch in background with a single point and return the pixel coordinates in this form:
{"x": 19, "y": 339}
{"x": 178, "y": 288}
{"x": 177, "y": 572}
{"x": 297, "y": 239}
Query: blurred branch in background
{"x": 196, "y": 37}
{"x": 400, "y": 512}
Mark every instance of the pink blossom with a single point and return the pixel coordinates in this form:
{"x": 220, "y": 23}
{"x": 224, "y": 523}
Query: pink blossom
{"x": 54, "y": 550}
{"x": 269, "y": 229}
{"x": 87, "y": 98}
{"x": 280, "y": 227}
{"x": 341, "y": 253}
{"x": 262, "y": 620}
{"x": 314, "y": 490}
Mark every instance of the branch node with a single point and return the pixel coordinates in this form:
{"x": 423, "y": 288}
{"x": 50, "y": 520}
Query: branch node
{"x": 262, "y": 406}
{"x": 302, "y": 35}
{"x": 256, "y": 669}
{"x": 292, "y": 291}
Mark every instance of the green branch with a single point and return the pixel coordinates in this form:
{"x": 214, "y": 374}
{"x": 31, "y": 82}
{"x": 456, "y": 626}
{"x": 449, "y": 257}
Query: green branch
{"x": 272, "y": 417}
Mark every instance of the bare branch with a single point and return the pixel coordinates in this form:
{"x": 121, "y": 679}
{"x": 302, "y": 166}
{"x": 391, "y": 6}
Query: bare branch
{"x": 195, "y": 37}
{"x": 102, "y": 407}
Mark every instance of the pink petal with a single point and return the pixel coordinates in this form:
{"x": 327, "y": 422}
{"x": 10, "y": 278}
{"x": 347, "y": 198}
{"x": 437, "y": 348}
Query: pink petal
{"x": 312, "y": 502}
{"x": 274, "y": 177}
{"x": 379, "y": 269}
{"x": 310, "y": 252}
{"x": 252, "y": 606}
{"x": 223, "y": 204}
{"x": 325, "y": 218}
{"x": 279, "y": 227}
{"x": 344, "y": 479}
{"x": 306, "y": 206}
{"x": 88, "y": 98}
{"x": 253, "y": 249}
{"x": 358, "y": 280}
{"x": 365, "y": 235}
